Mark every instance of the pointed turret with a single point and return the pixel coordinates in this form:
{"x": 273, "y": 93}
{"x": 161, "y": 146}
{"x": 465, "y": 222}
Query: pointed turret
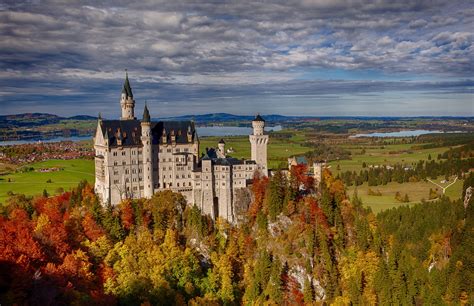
{"x": 126, "y": 101}
{"x": 147, "y": 141}
{"x": 127, "y": 89}
{"x": 146, "y": 114}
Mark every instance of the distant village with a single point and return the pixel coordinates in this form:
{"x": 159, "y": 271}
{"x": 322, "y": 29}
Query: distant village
{"x": 36, "y": 152}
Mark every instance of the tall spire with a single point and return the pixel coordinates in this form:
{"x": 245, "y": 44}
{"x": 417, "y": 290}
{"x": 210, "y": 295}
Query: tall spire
{"x": 127, "y": 89}
{"x": 146, "y": 114}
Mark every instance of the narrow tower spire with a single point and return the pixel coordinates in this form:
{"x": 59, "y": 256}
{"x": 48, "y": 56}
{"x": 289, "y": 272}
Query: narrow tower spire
{"x": 146, "y": 114}
{"x": 126, "y": 100}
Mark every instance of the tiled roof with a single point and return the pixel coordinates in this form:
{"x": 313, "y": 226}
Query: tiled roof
{"x": 129, "y": 132}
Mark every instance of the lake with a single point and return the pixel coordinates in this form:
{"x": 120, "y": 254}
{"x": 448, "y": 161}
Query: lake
{"x": 408, "y": 133}
{"x": 202, "y": 131}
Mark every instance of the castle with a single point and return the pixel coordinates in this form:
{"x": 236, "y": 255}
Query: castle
{"x": 135, "y": 159}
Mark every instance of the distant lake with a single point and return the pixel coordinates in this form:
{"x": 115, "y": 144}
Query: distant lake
{"x": 400, "y": 133}
{"x": 202, "y": 131}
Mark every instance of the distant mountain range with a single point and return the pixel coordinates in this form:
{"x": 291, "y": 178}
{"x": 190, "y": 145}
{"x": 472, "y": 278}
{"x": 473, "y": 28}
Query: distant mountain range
{"x": 224, "y": 117}
{"x": 37, "y": 119}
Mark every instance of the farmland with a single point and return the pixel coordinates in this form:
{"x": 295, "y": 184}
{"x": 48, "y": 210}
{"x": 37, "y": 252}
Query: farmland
{"x": 34, "y": 182}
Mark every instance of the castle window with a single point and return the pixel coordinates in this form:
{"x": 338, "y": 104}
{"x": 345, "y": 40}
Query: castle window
{"x": 126, "y": 171}
{"x": 178, "y": 184}
{"x": 168, "y": 150}
{"x": 115, "y": 163}
{"x": 189, "y": 183}
{"x": 116, "y": 181}
{"x": 124, "y": 163}
{"x": 177, "y": 150}
{"x": 127, "y": 180}
{"x": 123, "y": 153}
{"x": 186, "y": 150}
{"x": 115, "y": 154}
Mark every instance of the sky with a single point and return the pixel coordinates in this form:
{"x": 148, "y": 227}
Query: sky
{"x": 309, "y": 57}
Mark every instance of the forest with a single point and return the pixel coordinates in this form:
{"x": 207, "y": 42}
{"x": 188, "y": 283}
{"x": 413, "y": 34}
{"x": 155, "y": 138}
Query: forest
{"x": 297, "y": 244}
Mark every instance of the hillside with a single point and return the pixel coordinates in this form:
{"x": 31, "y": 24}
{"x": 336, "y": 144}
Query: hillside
{"x": 293, "y": 246}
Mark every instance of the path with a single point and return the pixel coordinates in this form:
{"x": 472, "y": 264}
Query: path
{"x": 444, "y": 188}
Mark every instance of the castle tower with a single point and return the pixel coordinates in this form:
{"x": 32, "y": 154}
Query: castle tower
{"x": 221, "y": 149}
{"x": 318, "y": 167}
{"x": 126, "y": 101}
{"x": 259, "y": 143}
{"x": 147, "y": 154}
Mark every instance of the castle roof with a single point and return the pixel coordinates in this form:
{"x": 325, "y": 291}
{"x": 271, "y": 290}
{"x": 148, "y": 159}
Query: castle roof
{"x": 127, "y": 89}
{"x": 258, "y": 118}
{"x": 146, "y": 115}
{"x": 129, "y": 132}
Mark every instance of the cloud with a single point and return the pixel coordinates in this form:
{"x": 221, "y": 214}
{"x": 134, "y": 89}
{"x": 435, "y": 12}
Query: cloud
{"x": 209, "y": 44}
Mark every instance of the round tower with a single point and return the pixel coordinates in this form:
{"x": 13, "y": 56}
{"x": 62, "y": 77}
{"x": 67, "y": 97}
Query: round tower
{"x": 147, "y": 154}
{"x": 126, "y": 101}
{"x": 258, "y": 125}
{"x": 221, "y": 148}
{"x": 259, "y": 142}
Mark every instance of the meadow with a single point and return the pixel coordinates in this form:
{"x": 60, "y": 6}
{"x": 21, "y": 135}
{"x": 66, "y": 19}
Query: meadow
{"x": 383, "y": 155}
{"x": 278, "y": 149}
{"x": 389, "y": 155}
{"x": 33, "y": 182}
{"x": 416, "y": 191}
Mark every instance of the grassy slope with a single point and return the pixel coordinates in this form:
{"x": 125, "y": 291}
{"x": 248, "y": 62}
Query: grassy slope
{"x": 416, "y": 192}
{"x": 378, "y": 155}
{"x": 32, "y": 183}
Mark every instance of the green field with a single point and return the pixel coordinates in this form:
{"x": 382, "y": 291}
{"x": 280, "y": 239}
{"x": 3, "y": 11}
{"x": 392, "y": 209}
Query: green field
{"x": 33, "y": 182}
{"x": 416, "y": 191}
{"x": 384, "y": 155}
{"x": 278, "y": 149}
{"x": 391, "y": 155}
